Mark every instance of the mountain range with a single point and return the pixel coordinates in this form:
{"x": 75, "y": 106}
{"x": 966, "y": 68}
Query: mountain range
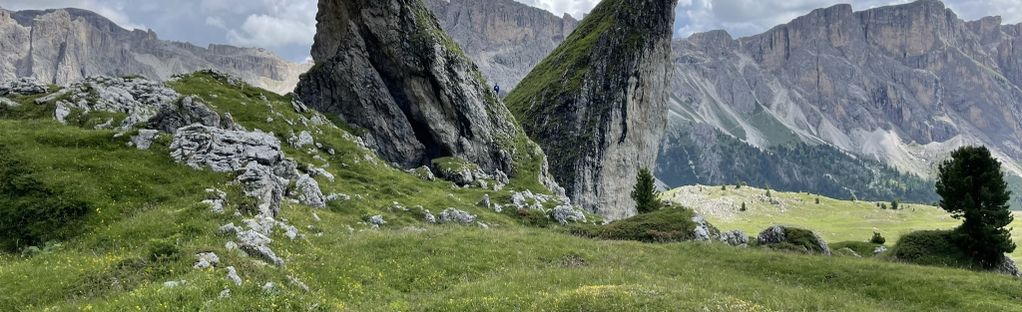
{"x": 63, "y": 46}
{"x": 843, "y": 103}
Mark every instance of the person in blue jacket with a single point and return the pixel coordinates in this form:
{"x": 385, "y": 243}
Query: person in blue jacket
{"x": 496, "y": 89}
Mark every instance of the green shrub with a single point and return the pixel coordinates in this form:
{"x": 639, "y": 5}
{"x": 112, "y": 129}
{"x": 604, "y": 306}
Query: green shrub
{"x": 30, "y": 212}
{"x": 864, "y": 249}
{"x": 665, "y": 225}
{"x": 931, "y": 248}
{"x": 878, "y": 239}
{"x": 161, "y": 249}
{"x": 532, "y": 217}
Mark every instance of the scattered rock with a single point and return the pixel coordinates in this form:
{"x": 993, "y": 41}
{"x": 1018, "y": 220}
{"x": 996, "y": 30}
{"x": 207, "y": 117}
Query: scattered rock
{"x": 320, "y": 172}
{"x": 224, "y": 294}
{"x": 302, "y": 140}
{"x": 174, "y": 284}
{"x": 217, "y": 200}
{"x": 5, "y": 102}
{"x": 879, "y": 250}
{"x": 1008, "y": 267}
{"x": 298, "y": 283}
{"x": 290, "y": 232}
{"x": 23, "y": 86}
{"x": 231, "y": 246}
{"x": 256, "y": 245}
{"x": 232, "y": 276}
{"x": 61, "y": 113}
{"x": 565, "y": 214}
{"x": 269, "y": 288}
{"x": 429, "y": 218}
{"x": 703, "y": 231}
{"x": 144, "y": 139}
{"x": 337, "y": 196}
{"x": 735, "y": 238}
{"x": 376, "y": 221}
{"x": 424, "y": 173}
{"x": 298, "y": 106}
{"x": 485, "y": 202}
{"x": 451, "y": 215}
{"x": 309, "y": 193}
{"x": 206, "y": 260}
{"x": 229, "y": 229}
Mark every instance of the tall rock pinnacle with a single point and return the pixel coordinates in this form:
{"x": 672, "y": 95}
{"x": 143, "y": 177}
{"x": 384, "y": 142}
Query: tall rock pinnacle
{"x": 388, "y": 69}
{"x": 596, "y": 104}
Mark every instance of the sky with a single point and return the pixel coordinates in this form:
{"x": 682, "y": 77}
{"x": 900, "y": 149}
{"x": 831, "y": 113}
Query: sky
{"x": 287, "y": 27}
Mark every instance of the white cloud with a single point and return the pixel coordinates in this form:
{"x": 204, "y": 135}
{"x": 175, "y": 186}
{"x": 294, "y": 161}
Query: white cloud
{"x": 216, "y": 22}
{"x": 275, "y": 23}
{"x": 271, "y": 32}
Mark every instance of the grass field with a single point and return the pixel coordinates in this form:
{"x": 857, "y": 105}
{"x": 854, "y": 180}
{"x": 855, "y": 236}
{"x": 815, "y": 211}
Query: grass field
{"x": 835, "y": 220}
{"x": 144, "y": 225}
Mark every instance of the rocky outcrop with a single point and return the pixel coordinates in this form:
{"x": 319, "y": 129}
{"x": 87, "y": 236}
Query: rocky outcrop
{"x": 22, "y": 86}
{"x": 504, "y": 37}
{"x": 257, "y": 158}
{"x": 902, "y": 84}
{"x": 565, "y": 214}
{"x": 452, "y": 215}
{"x": 66, "y": 45}
{"x": 596, "y": 104}
{"x": 389, "y": 69}
{"x": 187, "y": 111}
{"x": 1008, "y": 267}
{"x": 138, "y": 100}
{"x": 793, "y": 239}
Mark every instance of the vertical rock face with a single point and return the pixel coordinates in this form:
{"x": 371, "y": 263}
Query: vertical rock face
{"x": 596, "y": 104}
{"x": 388, "y": 68}
{"x": 504, "y": 37}
{"x": 67, "y": 45}
{"x": 901, "y": 84}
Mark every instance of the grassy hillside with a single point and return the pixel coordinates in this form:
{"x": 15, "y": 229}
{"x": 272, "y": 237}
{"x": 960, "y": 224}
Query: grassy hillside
{"x": 144, "y": 225}
{"x": 835, "y": 220}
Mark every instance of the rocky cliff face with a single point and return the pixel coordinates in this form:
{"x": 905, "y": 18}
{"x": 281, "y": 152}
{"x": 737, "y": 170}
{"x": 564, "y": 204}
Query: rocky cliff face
{"x": 596, "y": 103}
{"x": 67, "y": 45}
{"x": 388, "y": 69}
{"x": 903, "y": 85}
{"x": 504, "y": 37}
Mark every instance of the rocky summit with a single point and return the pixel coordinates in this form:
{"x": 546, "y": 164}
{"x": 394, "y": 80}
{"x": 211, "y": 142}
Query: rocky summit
{"x": 64, "y": 46}
{"x": 389, "y": 69}
{"x": 903, "y": 85}
{"x": 596, "y": 103}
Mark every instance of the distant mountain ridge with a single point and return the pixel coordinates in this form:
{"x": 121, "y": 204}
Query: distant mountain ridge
{"x": 903, "y": 85}
{"x": 65, "y": 45}
{"x": 505, "y": 38}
